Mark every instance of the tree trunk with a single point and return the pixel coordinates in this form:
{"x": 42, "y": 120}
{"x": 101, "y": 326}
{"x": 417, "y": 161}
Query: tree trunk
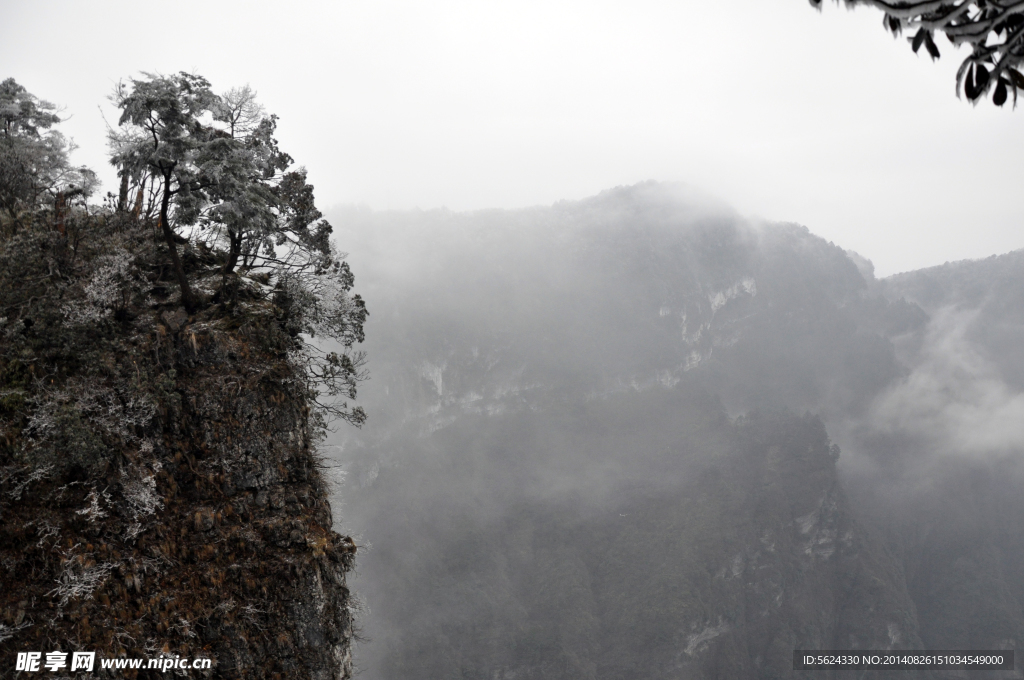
{"x": 137, "y": 210}
{"x": 233, "y": 253}
{"x": 60, "y": 209}
{"x": 122, "y": 195}
{"x": 187, "y": 299}
{"x": 229, "y": 266}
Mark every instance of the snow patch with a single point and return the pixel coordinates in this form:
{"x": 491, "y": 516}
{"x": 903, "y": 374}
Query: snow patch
{"x": 435, "y": 374}
{"x": 698, "y": 642}
{"x": 720, "y": 298}
{"x": 894, "y": 634}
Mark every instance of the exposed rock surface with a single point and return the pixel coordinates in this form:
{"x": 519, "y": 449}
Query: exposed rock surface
{"x": 159, "y": 484}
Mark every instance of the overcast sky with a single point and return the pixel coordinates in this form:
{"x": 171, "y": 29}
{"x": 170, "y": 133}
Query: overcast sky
{"x": 784, "y": 112}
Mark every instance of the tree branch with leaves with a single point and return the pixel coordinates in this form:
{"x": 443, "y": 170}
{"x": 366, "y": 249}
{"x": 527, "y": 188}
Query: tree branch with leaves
{"x": 993, "y": 29}
{"x": 35, "y": 168}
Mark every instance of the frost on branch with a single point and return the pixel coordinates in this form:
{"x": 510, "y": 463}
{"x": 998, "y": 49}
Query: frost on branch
{"x": 7, "y": 632}
{"x": 22, "y": 478}
{"x": 113, "y": 288}
{"x": 319, "y": 304}
{"x": 140, "y": 493}
{"x": 80, "y": 576}
{"x": 93, "y": 512}
{"x": 83, "y": 423}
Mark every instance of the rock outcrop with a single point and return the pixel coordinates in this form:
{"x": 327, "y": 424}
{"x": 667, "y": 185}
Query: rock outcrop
{"x": 160, "y": 490}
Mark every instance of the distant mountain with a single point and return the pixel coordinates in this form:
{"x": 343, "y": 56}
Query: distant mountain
{"x": 599, "y": 445}
{"x": 945, "y": 445}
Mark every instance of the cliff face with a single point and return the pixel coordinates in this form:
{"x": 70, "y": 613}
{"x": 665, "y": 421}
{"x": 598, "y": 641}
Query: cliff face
{"x": 159, "y": 485}
{"x": 770, "y": 558}
{"x": 753, "y": 553}
{"x": 948, "y": 441}
{"x": 743, "y": 549}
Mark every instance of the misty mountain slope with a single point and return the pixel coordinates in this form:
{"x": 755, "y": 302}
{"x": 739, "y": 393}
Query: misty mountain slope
{"x": 741, "y": 550}
{"x": 944, "y": 444}
{"x": 636, "y": 286}
{"x": 553, "y": 476}
{"x": 989, "y": 294}
{"x": 763, "y": 557}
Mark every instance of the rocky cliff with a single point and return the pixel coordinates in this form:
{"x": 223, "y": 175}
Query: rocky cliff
{"x": 160, "y": 489}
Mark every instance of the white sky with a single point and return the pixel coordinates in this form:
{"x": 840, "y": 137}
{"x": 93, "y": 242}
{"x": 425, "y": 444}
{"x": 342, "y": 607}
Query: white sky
{"x": 786, "y": 113}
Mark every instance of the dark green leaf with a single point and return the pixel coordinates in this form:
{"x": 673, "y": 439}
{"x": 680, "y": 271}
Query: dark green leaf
{"x": 918, "y": 39}
{"x": 969, "y": 88}
{"x": 980, "y": 77}
{"x": 977, "y": 79}
{"x": 929, "y": 44}
{"x": 999, "y": 96}
{"x": 1016, "y": 77}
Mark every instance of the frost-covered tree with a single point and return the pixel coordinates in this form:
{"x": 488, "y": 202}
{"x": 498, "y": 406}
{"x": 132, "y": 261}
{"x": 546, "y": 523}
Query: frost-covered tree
{"x": 34, "y": 158}
{"x": 994, "y": 29}
{"x": 218, "y": 168}
{"x": 162, "y": 138}
{"x": 221, "y": 181}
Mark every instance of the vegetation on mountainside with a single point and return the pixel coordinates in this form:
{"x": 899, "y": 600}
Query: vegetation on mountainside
{"x": 214, "y": 168}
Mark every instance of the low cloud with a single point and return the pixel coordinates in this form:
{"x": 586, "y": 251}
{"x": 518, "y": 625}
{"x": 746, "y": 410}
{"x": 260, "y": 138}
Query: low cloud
{"x": 954, "y": 398}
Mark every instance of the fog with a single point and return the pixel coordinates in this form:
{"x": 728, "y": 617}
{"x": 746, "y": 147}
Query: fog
{"x": 954, "y": 398}
{"x": 789, "y": 114}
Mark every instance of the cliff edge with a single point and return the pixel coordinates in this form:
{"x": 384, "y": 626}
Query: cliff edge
{"x": 160, "y": 493}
